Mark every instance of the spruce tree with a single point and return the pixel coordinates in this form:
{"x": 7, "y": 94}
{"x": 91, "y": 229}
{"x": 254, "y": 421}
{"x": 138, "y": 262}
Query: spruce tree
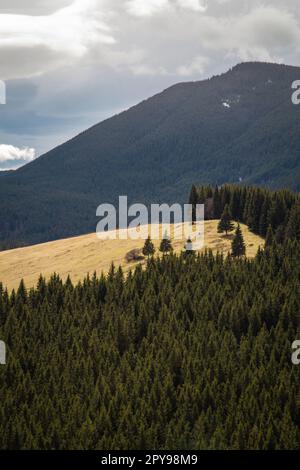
{"x": 148, "y": 249}
{"x": 238, "y": 245}
{"x": 269, "y": 237}
{"x": 225, "y": 224}
{"x": 217, "y": 203}
{"x": 166, "y": 245}
{"x": 193, "y": 200}
{"x": 263, "y": 218}
{"x": 293, "y": 226}
{"x": 280, "y": 234}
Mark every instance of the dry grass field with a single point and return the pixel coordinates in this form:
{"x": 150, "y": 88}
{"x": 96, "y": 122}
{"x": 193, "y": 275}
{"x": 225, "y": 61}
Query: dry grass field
{"x": 86, "y": 254}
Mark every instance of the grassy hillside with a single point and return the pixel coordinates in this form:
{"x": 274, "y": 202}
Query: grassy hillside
{"x": 237, "y": 126}
{"x": 81, "y": 255}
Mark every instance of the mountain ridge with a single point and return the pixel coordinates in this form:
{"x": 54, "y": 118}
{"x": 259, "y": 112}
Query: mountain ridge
{"x": 237, "y": 126}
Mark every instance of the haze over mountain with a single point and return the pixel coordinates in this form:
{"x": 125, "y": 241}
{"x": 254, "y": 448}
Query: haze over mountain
{"x": 240, "y": 126}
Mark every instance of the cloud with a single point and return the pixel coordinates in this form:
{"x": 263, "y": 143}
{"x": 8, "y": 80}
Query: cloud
{"x": 264, "y": 33}
{"x": 36, "y": 7}
{"x": 30, "y": 45}
{"x": 146, "y": 7}
{"x": 144, "y": 69}
{"x": 268, "y": 28}
{"x": 197, "y": 66}
{"x": 79, "y": 61}
{"x": 195, "y": 5}
{"x": 151, "y": 7}
{"x": 14, "y": 156}
{"x": 106, "y": 33}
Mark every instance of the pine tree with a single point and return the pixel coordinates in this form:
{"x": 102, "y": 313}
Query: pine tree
{"x": 217, "y": 203}
{"x": 225, "y": 224}
{"x": 166, "y": 245}
{"x": 263, "y": 218}
{"x": 148, "y": 249}
{"x": 193, "y": 200}
{"x": 238, "y": 245}
{"x": 280, "y": 234}
{"x": 270, "y": 239}
{"x": 293, "y": 226}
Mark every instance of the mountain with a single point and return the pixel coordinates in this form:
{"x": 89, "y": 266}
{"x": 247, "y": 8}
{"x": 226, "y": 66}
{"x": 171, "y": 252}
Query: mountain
{"x": 239, "y": 126}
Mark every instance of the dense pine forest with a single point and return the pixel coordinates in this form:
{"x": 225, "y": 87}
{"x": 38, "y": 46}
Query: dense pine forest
{"x": 194, "y": 352}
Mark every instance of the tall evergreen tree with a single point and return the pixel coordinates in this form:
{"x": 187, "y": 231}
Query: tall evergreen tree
{"x": 293, "y": 226}
{"x": 193, "y": 200}
{"x": 217, "y": 204}
{"x": 270, "y": 239}
{"x": 148, "y": 249}
{"x": 238, "y": 247}
{"x": 166, "y": 245}
{"x": 225, "y": 224}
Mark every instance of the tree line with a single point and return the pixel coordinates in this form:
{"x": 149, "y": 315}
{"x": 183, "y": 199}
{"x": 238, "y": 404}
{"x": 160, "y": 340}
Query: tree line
{"x": 259, "y": 208}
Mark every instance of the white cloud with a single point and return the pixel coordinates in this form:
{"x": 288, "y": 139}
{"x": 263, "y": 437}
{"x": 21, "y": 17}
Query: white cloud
{"x": 151, "y": 7}
{"x": 197, "y": 66}
{"x": 9, "y": 153}
{"x": 87, "y": 58}
{"x": 100, "y": 32}
{"x": 263, "y": 33}
{"x": 36, "y": 7}
{"x": 144, "y": 69}
{"x": 30, "y": 45}
{"x": 146, "y": 7}
{"x": 195, "y": 5}
{"x": 268, "y": 28}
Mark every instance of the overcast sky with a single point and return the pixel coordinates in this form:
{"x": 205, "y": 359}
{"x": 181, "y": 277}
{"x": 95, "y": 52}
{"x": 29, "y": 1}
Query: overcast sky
{"x": 69, "y": 64}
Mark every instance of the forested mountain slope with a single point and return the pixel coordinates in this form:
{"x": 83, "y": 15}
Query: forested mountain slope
{"x": 191, "y": 353}
{"x": 238, "y": 126}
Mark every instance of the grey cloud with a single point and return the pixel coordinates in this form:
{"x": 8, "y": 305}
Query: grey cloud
{"x": 71, "y": 91}
{"x": 48, "y": 41}
{"x": 32, "y": 7}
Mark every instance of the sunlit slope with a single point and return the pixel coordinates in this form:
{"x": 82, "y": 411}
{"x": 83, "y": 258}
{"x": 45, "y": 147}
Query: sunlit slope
{"x": 86, "y": 254}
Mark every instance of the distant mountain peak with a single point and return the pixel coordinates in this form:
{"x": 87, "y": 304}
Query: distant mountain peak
{"x": 156, "y": 150}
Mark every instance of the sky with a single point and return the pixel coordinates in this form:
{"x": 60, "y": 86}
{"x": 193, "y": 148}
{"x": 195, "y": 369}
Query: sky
{"x": 68, "y": 64}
